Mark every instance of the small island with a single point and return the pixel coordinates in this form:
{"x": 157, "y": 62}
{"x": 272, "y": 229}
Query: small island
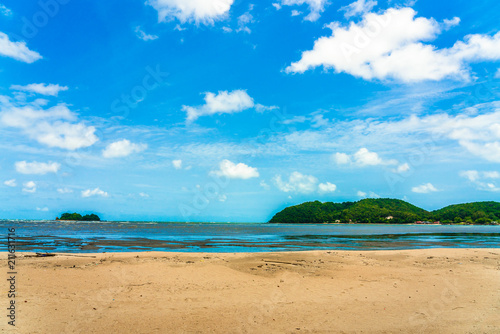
{"x": 388, "y": 211}
{"x": 77, "y": 216}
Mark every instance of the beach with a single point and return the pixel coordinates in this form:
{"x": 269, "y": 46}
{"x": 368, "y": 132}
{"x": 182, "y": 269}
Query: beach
{"x": 390, "y": 291}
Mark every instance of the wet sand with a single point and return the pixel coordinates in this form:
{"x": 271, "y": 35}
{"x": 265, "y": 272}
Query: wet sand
{"x": 413, "y": 291}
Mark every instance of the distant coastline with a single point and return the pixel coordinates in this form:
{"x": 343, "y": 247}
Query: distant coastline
{"x": 78, "y": 217}
{"x": 388, "y": 211}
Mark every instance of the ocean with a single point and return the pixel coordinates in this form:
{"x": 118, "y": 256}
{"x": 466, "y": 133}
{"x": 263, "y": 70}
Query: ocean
{"x": 123, "y": 236}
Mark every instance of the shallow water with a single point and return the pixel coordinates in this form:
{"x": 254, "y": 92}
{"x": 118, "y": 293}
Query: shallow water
{"x": 56, "y": 236}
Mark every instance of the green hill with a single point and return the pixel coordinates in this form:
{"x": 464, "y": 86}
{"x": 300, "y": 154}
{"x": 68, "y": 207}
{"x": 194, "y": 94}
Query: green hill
{"x": 386, "y": 210}
{"x": 77, "y": 216}
{"x": 477, "y": 212}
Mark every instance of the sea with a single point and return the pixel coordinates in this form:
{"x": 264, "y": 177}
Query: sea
{"x": 124, "y": 236}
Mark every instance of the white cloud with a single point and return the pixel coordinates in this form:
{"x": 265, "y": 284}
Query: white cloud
{"x": 424, "y": 188}
{"x": 122, "y": 148}
{"x": 297, "y": 182}
{"x": 481, "y": 179}
{"x": 276, "y": 5}
{"x": 222, "y": 198}
{"x": 304, "y": 184}
{"x": 235, "y": 171}
{"x": 35, "y": 167}
{"x": 40, "y": 88}
{"x": 45, "y": 209}
{"x": 10, "y": 183}
{"x": 363, "y": 157}
{"x": 144, "y": 195}
{"x": 316, "y": 7}
{"x": 358, "y": 7}
{"x": 223, "y": 103}
{"x": 296, "y": 13}
{"x": 497, "y": 74}
{"x": 94, "y": 192}
{"x": 341, "y": 158}
{"x": 447, "y": 24}
{"x": 327, "y": 187}
{"x": 264, "y": 185}
{"x": 243, "y": 21}
{"x": 402, "y": 168}
{"x": 371, "y": 194}
{"x": 17, "y": 50}
{"x": 177, "y": 164}
{"x": 390, "y": 46}
{"x": 5, "y": 11}
{"x": 29, "y": 187}
{"x": 53, "y": 127}
{"x": 64, "y": 190}
{"x": 142, "y": 35}
{"x": 197, "y": 11}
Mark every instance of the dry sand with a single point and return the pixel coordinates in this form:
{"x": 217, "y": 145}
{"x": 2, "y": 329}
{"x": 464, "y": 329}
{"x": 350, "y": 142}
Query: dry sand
{"x": 414, "y": 291}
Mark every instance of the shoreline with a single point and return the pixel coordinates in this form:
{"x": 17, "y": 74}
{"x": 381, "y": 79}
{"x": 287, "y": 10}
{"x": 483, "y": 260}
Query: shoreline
{"x": 436, "y": 290}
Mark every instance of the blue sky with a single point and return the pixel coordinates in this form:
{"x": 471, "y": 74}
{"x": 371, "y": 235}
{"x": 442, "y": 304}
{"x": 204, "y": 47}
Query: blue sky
{"x": 229, "y": 110}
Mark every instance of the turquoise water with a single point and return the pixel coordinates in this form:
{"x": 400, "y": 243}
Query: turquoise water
{"x": 54, "y": 236}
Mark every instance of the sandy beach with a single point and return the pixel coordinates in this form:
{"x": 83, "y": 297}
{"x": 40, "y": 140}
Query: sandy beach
{"x": 413, "y": 291}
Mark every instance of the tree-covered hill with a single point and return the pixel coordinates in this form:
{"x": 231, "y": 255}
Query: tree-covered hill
{"x": 477, "y": 213}
{"x": 77, "y": 216}
{"x": 386, "y": 210}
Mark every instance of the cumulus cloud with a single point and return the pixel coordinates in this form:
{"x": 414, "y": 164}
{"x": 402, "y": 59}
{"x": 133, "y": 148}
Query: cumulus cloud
{"x": 235, "y": 171}
{"x": 358, "y": 7}
{"x": 197, "y": 11}
{"x": 327, "y": 187}
{"x": 54, "y": 127}
{"x": 10, "y": 183}
{"x": 402, "y": 168}
{"x": 482, "y": 180}
{"x": 35, "y": 167}
{"x": 17, "y": 50}
{"x": 142, "y": 35}
{"x": 424, "y": 188}
{"x": 44, "y": 209}
{"x": 390, "y": 46}
{"x": 122, "y": 148}
{"x": 361, "y": 193}
{"x": 304, "y": 184}
{"x": 94, "y": 192}
{"x": 177, "y": 164}
{"x": 223, "y": 102}
{"x": 316, "y": 7}
{"x": 29, "y": 187}
{"x": 40, "y": 88}
{"x": 447, "y": 24}
{"x": 363, "y": 157}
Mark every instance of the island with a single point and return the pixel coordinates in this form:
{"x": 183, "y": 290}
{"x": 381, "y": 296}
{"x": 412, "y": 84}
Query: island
{"x": 387, "y": 211}
{"x": 77, "y": 216}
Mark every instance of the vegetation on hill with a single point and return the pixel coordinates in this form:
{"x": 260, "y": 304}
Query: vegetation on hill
{"x": 471, "y": 213}
{"x": 77, "y": 216}
{"x": 386, "y": 210}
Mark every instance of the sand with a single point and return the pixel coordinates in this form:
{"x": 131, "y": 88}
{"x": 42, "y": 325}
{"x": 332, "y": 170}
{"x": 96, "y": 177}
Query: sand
{"x": 413, "y": 291}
